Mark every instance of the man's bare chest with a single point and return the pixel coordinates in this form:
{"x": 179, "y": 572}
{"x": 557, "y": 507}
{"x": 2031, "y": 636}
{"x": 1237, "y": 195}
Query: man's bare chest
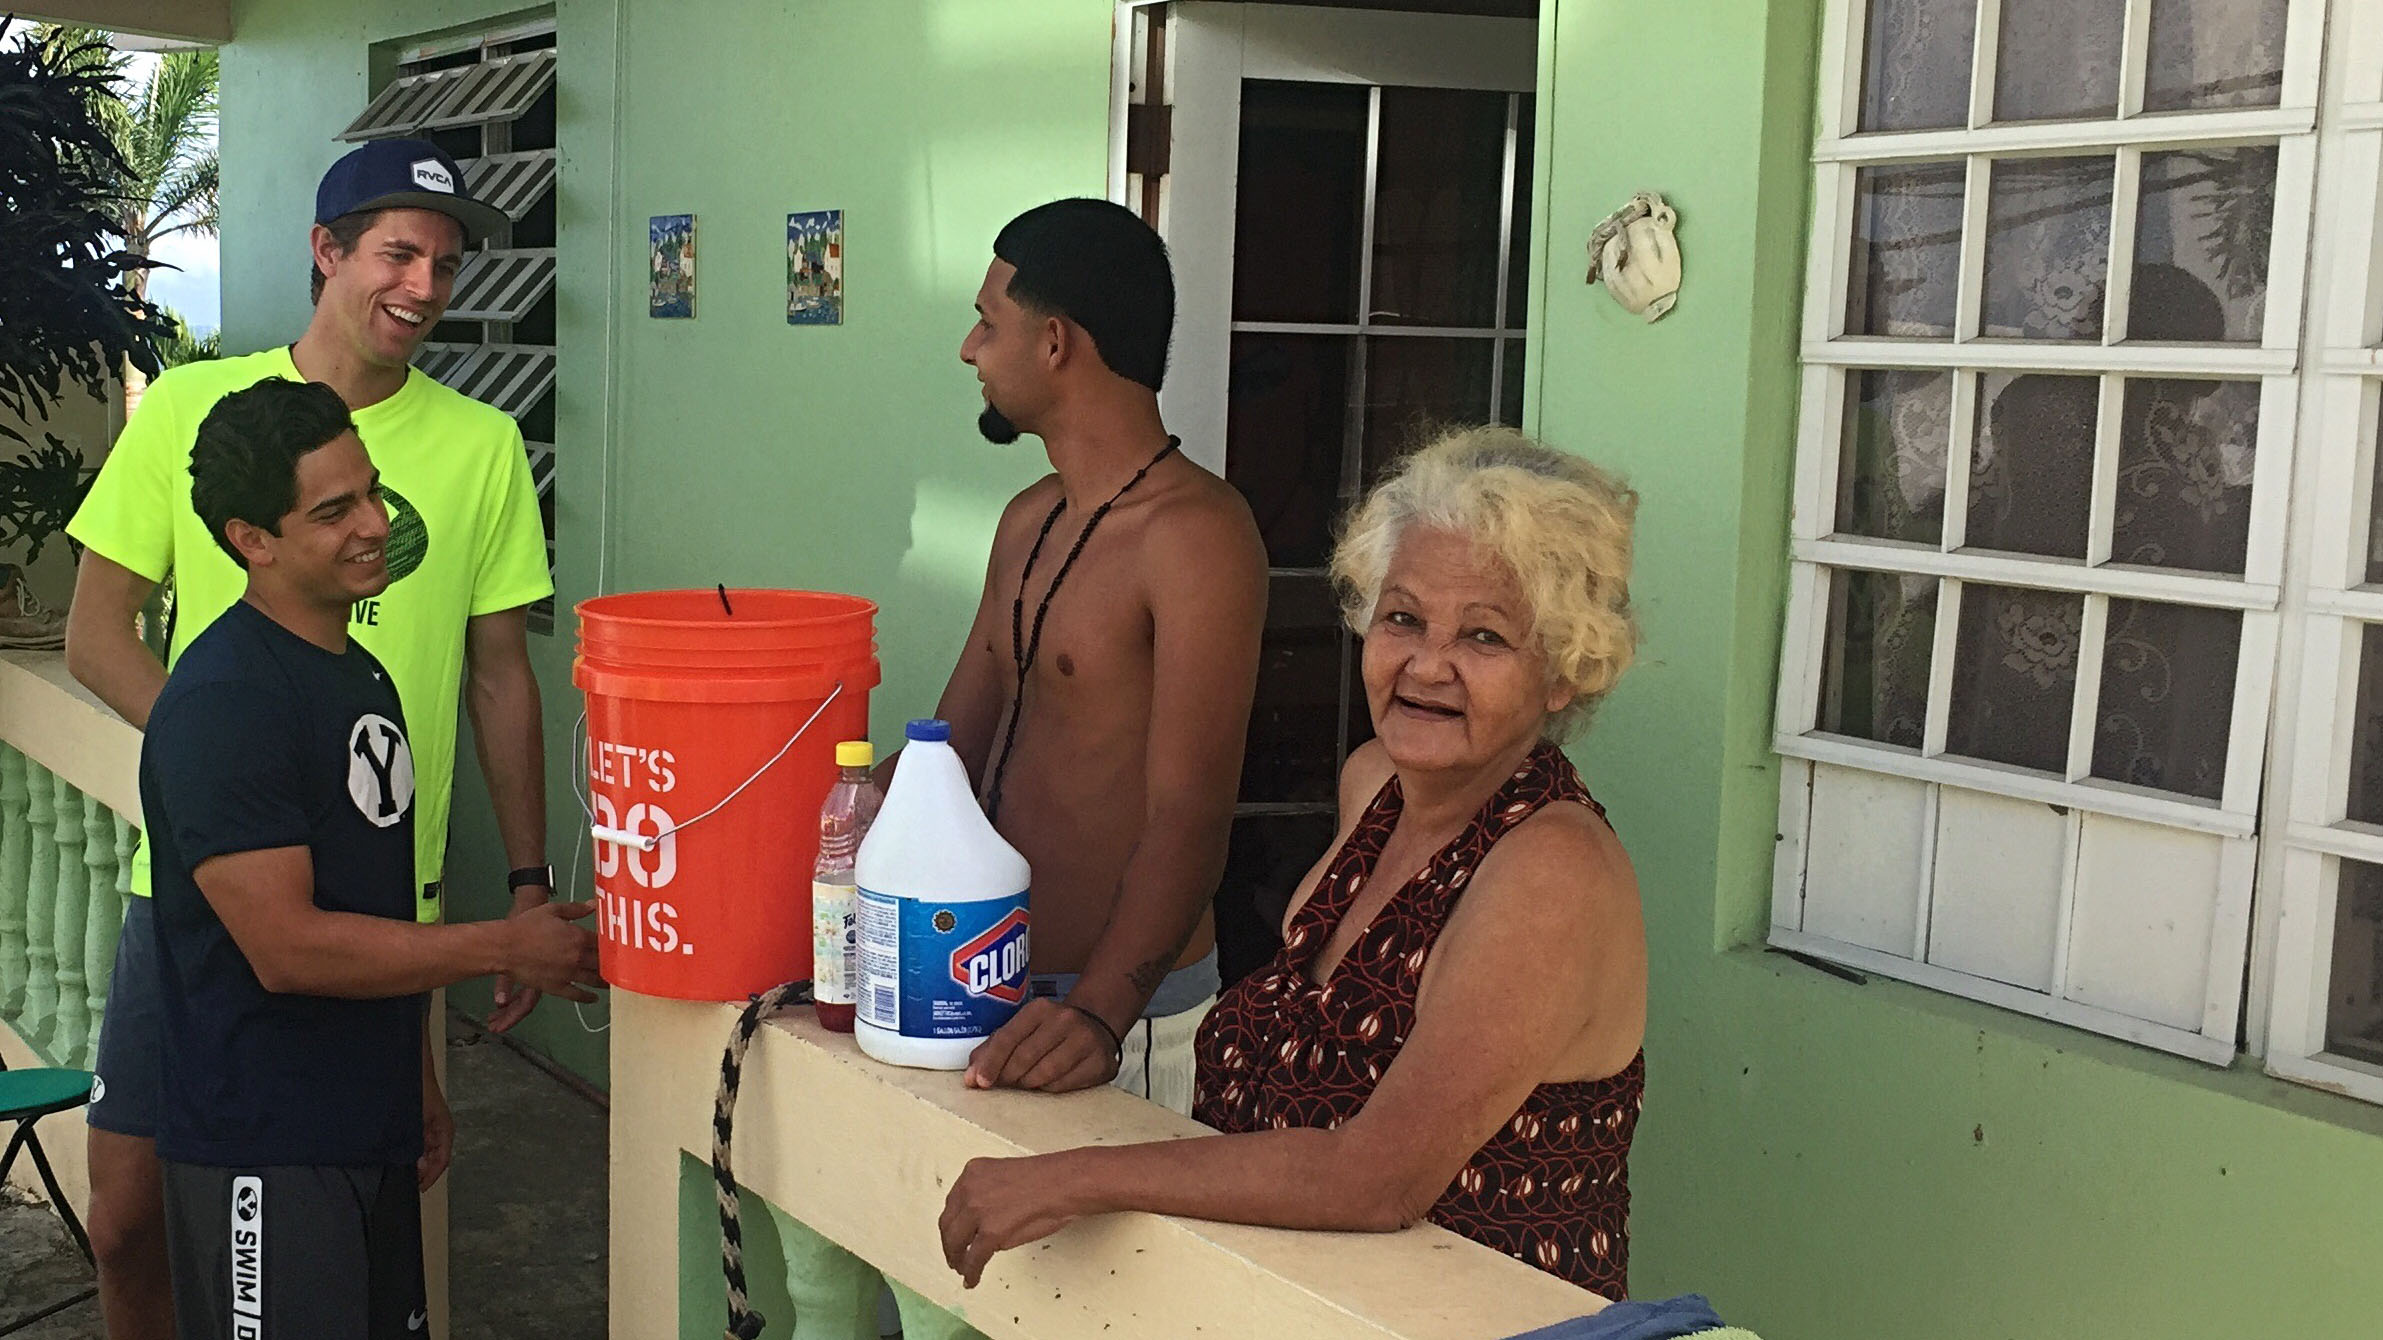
{"x": 1089, "y": 636}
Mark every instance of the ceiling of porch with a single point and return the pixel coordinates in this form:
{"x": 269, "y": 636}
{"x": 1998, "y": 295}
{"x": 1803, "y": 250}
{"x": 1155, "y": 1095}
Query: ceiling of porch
{"x": 203, "y": 21}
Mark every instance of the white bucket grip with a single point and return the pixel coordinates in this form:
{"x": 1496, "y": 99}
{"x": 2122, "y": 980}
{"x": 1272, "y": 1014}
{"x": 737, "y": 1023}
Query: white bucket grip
{"x": 647, "y": 842}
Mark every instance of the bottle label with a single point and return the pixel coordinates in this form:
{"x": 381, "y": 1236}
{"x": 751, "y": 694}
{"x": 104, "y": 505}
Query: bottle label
{"x": 834, "y": 926}
{"x": 932, "y": 969}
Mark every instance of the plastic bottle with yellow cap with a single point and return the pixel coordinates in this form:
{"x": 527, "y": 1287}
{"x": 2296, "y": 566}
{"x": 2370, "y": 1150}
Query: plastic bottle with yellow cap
{"x": 844, "y": 819}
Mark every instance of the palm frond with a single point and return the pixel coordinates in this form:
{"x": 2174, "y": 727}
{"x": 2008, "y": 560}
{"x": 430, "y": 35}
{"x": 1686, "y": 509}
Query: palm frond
{"x": 175, "y": 115}
{"x": 187, "y": 200}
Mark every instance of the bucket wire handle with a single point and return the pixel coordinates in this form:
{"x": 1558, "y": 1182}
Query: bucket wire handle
{"x": 621, "y": 837}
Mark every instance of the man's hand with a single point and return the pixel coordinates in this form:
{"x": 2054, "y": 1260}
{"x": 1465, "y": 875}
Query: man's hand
{"x": 1048, "y": 1046}
{"x": 514, "y": 1003}
{"x": 998, "y": 1204}
{"x": 438, "y": 1132}
{"x": 544, "y": 951}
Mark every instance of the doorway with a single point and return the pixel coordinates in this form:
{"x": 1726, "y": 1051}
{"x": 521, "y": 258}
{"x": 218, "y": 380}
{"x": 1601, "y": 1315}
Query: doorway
{"x": 1346, "y": 194}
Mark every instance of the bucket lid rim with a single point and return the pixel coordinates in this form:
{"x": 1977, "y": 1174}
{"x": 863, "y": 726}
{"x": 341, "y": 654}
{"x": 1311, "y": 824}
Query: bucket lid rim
{"x": 860, "y": 606}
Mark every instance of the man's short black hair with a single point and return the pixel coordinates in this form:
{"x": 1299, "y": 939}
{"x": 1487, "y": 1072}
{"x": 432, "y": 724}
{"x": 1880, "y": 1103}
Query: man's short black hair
{"x": 1097, "y": 264}
{"x": 245, "y": 461}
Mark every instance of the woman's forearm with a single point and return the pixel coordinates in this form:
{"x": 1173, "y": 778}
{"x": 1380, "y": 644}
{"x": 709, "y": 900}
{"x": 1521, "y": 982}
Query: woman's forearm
{"x": 1298, "y": 1178}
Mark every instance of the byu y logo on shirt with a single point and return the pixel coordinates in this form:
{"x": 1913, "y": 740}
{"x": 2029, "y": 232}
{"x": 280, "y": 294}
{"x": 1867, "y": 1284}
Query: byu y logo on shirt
{"x": 380, "y": 770}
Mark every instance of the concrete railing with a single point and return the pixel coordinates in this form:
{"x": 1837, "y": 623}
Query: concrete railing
{"x": 862, "y": 1153}
{"x": 69, "y": 820}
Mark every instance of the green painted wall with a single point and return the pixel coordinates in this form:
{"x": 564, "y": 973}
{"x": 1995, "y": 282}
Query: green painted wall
{"x": 741, "y": 450}
{"x": 1825, "y": 1160}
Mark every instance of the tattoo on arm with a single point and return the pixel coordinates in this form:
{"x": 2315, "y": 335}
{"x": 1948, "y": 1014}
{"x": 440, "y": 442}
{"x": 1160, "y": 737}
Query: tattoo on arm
{"x": 1151, "y": 972}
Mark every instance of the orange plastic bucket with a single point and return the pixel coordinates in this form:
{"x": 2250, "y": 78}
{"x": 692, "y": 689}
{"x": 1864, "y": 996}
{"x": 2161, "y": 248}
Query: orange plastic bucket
{"x": 704, "y": 803}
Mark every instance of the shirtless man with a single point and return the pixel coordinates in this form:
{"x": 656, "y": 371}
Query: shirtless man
{"x": 1103, "y": 698}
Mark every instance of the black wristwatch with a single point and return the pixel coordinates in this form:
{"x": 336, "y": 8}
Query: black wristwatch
{"x": 541, "y": 876}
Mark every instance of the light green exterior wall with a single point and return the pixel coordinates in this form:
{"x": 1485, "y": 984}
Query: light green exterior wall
{"x": 1823, "y": 1159}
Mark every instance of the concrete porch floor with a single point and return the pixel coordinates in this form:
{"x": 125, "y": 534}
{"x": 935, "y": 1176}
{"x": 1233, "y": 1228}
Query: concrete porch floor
{"x": 528, "y": 1211}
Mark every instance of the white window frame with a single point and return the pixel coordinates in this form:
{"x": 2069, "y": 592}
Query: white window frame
{"x": 1828, "y": 353}
{"x": 2329, "y": 602}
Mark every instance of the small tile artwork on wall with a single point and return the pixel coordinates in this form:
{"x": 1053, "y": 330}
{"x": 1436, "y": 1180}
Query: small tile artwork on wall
{"x": 672, "y": 269}
{"x": 815, "y": 268}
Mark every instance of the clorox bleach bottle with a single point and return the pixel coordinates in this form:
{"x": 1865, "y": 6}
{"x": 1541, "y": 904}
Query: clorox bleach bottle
{"x": 943, "y": 948}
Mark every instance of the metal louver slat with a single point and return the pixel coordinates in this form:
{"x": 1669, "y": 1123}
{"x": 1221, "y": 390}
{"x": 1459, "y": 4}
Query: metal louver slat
{"x": 509, "y": 376}
{"x": 501, "y": 285}
{"x": 497, "y": 90}
{"x": 437, "y": 360}
{"x": 403, "y": 106}
{"x": 511, "y": 182}
{"x": 542, "y": 470}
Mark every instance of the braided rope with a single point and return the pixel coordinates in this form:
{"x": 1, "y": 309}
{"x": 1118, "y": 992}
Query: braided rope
{"x": 743, "y": 1322}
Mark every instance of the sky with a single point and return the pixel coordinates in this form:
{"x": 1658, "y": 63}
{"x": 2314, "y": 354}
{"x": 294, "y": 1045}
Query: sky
{"x": 194, "y": 289}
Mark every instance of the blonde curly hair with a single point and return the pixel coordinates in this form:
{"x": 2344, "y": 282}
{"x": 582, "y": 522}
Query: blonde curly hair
{"x": 1561, "y": 525}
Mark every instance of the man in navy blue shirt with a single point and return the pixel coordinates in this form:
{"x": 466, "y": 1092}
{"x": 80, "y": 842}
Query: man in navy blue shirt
{"x": 301, "y": 1118}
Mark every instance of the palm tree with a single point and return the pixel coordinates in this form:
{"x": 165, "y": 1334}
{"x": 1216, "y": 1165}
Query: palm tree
{"x": 166, "y": 134}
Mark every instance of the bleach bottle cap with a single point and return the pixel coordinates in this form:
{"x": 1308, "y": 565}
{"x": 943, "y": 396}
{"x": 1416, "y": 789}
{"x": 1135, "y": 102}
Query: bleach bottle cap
{"x": 928, "y": 730}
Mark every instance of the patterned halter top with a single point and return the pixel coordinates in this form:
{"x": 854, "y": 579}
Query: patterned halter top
{"x": 1551, "y": 1188}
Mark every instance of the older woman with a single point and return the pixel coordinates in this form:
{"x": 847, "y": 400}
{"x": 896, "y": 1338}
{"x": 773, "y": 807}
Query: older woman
{"x": 1451, "y": 1031}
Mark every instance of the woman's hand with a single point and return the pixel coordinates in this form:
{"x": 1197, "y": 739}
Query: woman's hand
{"x": 998, "y": 1204}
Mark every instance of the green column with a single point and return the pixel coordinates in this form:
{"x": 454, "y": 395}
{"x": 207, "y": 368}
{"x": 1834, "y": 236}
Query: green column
{"x": 128, "y": 840}
{"x": 834, "y": 1292}
{"x": 41, "y": 901}
{"x": 15, "y": 836}
{"x": 103, "y": 915}
{"x": 71, "y": 1034}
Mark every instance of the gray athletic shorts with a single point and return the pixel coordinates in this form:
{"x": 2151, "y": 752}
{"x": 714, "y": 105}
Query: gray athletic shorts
{"x": 301, "y": 1253}
{"x": 131, "y": 1065}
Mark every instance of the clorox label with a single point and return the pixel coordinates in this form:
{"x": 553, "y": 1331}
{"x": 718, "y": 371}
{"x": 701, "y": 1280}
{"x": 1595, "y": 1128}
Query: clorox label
{"x": 941, "y": 970}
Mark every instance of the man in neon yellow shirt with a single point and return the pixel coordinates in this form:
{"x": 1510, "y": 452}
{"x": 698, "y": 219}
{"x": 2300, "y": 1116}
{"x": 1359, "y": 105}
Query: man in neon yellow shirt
{"x": 466, "y": 556}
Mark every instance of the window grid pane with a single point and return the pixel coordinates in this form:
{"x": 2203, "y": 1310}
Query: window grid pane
{"x": 1874, "y": 675}
{"x": 2048, "y": 248}
{"x": 1916, "y": 64}
{"x": 2354, "y": 1013}
{"x": 2058, "y": 60}
{"x": 1906, "y": 251}
{"x": 1897, "y": 432}
{"x": 2364, "y": 803}
{"x": 2215, "y": 53}
{"x": 2165, "y": 712}
{"x": 2203, "y": 223}
{"x": 2015, "y": 676}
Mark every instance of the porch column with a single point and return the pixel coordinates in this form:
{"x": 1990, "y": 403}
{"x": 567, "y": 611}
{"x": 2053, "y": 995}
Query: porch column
{"x": 15, "y": 858}
{"x": 41, "y": 903}
{"x": 72, "y": 1029}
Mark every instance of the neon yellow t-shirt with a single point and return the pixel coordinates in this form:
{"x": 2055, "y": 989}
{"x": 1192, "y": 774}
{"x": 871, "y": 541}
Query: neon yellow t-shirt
{"x": 464, "y": 540}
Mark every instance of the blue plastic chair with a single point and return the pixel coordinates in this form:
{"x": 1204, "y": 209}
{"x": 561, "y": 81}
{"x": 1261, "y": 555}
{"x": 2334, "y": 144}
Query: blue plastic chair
{"x": 26, "y": 1096}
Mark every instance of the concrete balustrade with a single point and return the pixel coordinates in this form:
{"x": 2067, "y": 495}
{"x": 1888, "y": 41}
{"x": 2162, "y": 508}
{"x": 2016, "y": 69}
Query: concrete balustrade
{"x": 862, "y": 1153}
{"x": 69, "y": 809}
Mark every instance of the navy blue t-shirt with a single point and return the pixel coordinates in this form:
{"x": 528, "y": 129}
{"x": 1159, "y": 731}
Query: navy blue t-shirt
{"x": 259, "y": 740}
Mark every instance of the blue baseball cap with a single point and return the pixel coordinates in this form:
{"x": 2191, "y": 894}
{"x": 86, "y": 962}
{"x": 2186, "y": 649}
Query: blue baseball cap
{"x": 403, "y": 174}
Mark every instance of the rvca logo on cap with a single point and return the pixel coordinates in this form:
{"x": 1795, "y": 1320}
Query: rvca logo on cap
{"x": 380, "y": 770}
{"x": 431, "y": 177}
